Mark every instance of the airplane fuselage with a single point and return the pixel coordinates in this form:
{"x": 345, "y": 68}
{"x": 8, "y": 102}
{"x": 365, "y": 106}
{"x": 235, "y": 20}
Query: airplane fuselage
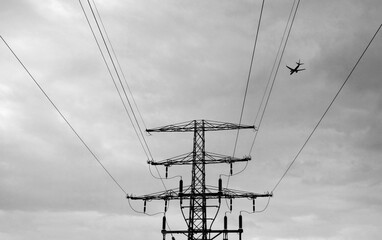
{"x": 296, "y": 69}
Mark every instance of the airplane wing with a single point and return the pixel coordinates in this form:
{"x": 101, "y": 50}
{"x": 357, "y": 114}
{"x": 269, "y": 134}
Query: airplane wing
{"x": 289, "y": 68}
{"x": 301, "y": 69}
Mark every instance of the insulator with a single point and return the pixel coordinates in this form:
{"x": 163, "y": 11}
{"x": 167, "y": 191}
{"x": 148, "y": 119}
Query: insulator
{"x": 144, "y": 206}
{"x": 180, "y": 186}
{"x": 164, "y": 223}
{"x": 166, "y": 171}
{"x": 240, "y": 221}
{"x": 253, "y": 205}
{"x": 225, "y": 223}
{"x": 165, "y": 205}
{"x": 230, "y": 204}
{"x": 230, "y": 170}
{"x": 220, "y": 185}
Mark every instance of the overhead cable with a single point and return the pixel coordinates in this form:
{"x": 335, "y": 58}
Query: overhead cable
{"x": 277, "y": 69}
{"x": 119, "y": 65}
{"x": 120, "y": 81}
{"x": 249, "y": 76}
{"x": 245, "y": 93}
{"x": 112, "y": 77}
{"x": 141, "y": 138}
{"x": 327, "y": 109}
{"x": 132, "y": 96}
{"x": 64, "y": 118}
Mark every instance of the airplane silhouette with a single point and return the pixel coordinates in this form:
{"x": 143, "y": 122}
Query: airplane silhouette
{"x": 296, "y": 69}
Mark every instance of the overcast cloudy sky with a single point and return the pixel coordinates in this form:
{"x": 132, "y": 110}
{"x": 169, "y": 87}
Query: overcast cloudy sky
{"x": 188, "y": 60}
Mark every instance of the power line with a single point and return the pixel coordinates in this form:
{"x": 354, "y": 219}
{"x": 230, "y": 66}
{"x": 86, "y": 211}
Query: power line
{"x": 249, "y": 76}
{"x": 148, "y": 153}
{"x": 140, "y": 212}
{"x": 112, "y": 77}
{"x": 327, "y": 109}
{"x": 277, "y": 69}
{"x": 245, "y": 95}
{"x": 64, "y": 118}
{"x": 119, "y": 65}
{"x": 120, "y": 81}
{"x": 123, "y": 75}
{"x": 274, "y": 64}
{"x": 258, "y": 211}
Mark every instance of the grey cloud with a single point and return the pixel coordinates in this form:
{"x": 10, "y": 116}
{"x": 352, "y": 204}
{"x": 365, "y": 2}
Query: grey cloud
{"x": 188, "y": 60}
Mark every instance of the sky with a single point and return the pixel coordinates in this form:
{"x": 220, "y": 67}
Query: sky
{"x": 186, "y": 60}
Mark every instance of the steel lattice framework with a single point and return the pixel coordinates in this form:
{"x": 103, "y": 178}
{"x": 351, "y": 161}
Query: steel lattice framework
{"x": 197, "y": 193}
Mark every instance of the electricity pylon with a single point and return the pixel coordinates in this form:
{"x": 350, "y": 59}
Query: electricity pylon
{"x": 195, "y": 196}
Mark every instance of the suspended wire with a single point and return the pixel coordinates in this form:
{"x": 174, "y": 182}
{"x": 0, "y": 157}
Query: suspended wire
{"x": 119, "y": 65}
{"x": 242, "y": 170}
{"x": 119, "y": 79}
{"x": 168, "y": 178}
{"x": 234, "y": 174}
{"x": 64, "y": 118}
{"x": 181, "y": 210}
{"x": 266, "y": 206}
{"x": 152, "y": 214}
{"x": 277, "y": 69}
{"x": 140, "y": 212}
{"x": 327, "y": 109}
{"x": 249, "y": 76}
{"x": 216, "y": 214}
{"x": 149, "y": 155}
{"x": 169, "y": 228}
{"x": 275, "y": 61}
{"x": 260, "y": 211}
{"x": 245, "y": 92}
{"x": 123, "y": 75}
{"x": 214, "y": 218}
{"x": 112, "y": 77}
{"x": 290, "y": 24}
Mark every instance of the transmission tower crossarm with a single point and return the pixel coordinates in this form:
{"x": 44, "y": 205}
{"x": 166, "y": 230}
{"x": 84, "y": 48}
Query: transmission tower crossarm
{"x": 207, "y": 125}
{"x": 210, "y": 158}
{"x": 164, "y": 195}
{"x": 230, "y": 193}
{"x": 199, "y": 231}
{"x": 211, "y": 193}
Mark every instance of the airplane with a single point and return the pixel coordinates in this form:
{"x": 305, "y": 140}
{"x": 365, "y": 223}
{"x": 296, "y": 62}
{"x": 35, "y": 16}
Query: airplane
{"x": 296, "y": 69}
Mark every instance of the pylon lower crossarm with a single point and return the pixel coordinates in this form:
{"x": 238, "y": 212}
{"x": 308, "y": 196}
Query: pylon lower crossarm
{"x": 208, "y": 231}
{"x": 173, "y": 194}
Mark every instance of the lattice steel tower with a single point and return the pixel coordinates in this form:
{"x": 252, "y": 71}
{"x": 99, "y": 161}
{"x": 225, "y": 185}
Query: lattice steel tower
{"x": 200, "y": 220}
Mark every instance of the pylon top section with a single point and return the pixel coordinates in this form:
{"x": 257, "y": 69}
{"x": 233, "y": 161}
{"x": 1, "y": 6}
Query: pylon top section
{"x": 200, "y": 125}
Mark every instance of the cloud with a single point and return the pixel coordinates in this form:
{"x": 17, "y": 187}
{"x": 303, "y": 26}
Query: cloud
{"x": 78, "y": 224}
{"x": 189, "y": 60}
